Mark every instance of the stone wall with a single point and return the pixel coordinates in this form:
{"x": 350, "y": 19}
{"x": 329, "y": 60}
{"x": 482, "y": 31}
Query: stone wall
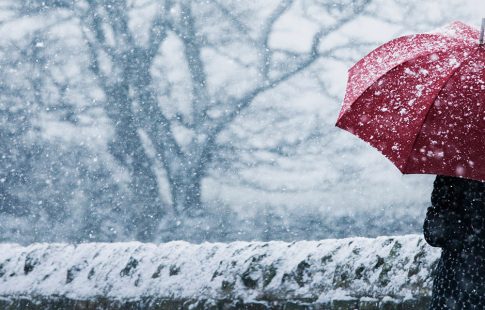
{"x": 352, "y": 273}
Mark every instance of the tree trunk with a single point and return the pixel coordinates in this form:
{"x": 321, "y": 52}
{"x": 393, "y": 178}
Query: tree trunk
{"x": 185, "y": 188}
{"x": 128, "y": 149}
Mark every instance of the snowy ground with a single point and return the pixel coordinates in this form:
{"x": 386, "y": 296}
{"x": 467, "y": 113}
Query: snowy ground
{"x": 355, "y": 269}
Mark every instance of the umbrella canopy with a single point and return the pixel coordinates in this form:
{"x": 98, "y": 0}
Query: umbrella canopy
{"x": 420, "y": 100}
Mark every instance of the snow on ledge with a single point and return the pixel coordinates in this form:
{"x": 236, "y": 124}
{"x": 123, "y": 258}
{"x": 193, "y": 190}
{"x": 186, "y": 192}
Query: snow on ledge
{"x": 314, "y": 271}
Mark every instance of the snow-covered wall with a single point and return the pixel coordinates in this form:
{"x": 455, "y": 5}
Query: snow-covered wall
{"x": 335, "y": 273}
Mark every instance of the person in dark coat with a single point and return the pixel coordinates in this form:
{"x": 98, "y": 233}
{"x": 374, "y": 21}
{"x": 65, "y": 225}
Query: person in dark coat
{"x": 455, "y": 222}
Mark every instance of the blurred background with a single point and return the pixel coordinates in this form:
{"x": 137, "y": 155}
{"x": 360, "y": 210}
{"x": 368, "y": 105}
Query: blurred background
{"x": 198, "y": 120}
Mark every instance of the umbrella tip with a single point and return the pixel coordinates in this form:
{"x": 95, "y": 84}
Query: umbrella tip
{"x": 482, "y": 32}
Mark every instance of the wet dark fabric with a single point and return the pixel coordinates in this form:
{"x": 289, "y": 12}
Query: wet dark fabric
{"x": 455, "y": 222}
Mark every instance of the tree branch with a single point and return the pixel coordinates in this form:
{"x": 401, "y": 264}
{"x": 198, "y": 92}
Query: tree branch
{"x": 192, "y": 51}
{"x": 158, "y": 31}
{"x": 267, "y": 29}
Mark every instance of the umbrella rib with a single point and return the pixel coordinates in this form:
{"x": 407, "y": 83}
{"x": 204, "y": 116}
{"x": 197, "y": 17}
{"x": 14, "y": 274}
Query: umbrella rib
{"x": 448, "y": 78}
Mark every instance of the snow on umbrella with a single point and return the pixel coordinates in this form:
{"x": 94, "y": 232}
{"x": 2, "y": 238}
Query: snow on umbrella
{"x": 420, "y": 100}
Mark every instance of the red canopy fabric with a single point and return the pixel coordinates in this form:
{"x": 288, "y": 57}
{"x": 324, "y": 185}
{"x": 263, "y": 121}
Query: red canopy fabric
{"x": 420, "y": 100}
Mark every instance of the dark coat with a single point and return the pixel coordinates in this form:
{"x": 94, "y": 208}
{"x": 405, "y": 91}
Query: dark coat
{"x": 456, "y": 223}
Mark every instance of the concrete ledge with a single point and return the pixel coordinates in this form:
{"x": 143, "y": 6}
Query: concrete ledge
{"x": 54, "y": 303}
{"x": 352, "y": 273}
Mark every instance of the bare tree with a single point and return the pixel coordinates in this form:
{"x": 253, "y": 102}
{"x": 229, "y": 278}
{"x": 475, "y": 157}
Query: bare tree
{"x": 140, "y": 100}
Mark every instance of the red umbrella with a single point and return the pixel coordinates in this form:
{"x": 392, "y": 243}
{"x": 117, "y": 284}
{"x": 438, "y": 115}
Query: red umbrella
{"x": 420, "y": 100}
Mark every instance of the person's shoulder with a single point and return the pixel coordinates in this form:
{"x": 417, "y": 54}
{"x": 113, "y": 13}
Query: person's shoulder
{"x": 476, "y": 185}
{"x": 449, "y": 180}
{"x": 458, "y": 183}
